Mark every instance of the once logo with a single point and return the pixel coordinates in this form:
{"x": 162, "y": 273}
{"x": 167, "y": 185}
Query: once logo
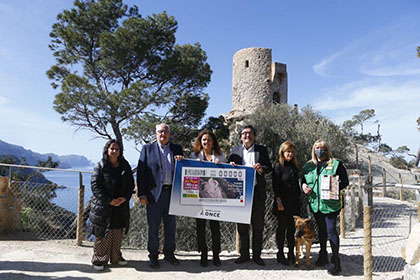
{"x": 210, "y": 213}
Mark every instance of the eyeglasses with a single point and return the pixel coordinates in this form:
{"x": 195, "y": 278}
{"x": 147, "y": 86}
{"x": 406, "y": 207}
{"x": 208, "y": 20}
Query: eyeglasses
{"x": 162, "y": 131}
{"x": 246, "y": 133}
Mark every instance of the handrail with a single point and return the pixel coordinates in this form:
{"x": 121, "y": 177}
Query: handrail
{"x": 44, "y": 168}
{"x": 408, "y": 186}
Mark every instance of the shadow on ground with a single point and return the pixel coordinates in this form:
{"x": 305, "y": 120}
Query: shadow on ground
{"x": 22, "y": 276}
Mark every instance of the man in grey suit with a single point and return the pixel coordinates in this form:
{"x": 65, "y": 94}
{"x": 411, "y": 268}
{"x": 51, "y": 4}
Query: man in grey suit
{"x": 154, "y": 181}
{"x": 251, "y": 154}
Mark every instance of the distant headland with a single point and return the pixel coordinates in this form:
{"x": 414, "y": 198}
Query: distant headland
{"x": 32, "y": 158}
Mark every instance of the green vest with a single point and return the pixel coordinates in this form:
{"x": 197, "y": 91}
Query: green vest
{"x": 325, "y": 206}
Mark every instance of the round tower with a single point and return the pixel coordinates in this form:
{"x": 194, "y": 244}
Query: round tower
{"x": 251, "y": 80}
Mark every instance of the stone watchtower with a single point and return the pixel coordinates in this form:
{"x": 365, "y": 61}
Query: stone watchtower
{"x": 257, "y": 82}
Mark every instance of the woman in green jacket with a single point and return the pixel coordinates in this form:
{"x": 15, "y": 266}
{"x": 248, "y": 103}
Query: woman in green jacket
{"x": 324, "y": 178}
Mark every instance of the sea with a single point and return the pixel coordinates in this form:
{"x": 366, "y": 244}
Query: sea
{"x": 68, "y": 195}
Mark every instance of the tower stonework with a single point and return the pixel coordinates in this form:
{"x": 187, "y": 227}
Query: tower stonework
{"x": 257, "y": 82}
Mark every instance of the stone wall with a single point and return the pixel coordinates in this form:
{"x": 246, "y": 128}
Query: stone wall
{"x": 251, "y": 79}
{"x": 257, "y": 82}
{"x": 9, "y": 209}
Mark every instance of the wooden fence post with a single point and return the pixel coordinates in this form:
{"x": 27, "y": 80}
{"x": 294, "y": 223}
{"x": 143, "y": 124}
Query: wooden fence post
{"x": 353, "y": 208}
{"x": 367, "y": 235}
{"x": 237, "y": 240}
{"x": 357, "y": 156}
{"x": 401, "y": 191}
{"x": 79, "y": 233}
{"x": 384, "y": 182}
{"x": 418, "y": 204}
{"x": 342, "y": 214}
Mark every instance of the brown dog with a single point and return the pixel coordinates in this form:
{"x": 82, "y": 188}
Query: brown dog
{"x": 304, "y": 234}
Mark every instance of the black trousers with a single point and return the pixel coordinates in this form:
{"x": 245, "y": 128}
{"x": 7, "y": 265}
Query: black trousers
{"x": 201, "y": 235}
{"x": 285, "y": 228}
{"x": 257, "y": 223}
{"x": 327, "y": 228}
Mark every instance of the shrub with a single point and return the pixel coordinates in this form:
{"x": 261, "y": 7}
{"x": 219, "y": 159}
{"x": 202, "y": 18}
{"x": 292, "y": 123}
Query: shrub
{"x": 281, "y": 122}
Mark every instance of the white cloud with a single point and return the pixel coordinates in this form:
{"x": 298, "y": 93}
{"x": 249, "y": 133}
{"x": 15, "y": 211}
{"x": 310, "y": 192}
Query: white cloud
{"x": 389, "y": 51}
{"x": 396, "y": 106}
{"x": 321, "y": 68}
{"x": 367, "y": 94}
{"x": 391, "y": 59}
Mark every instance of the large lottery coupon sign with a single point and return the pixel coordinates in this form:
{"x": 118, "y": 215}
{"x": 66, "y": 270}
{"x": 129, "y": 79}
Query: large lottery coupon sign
{"x": 212, "y": 191}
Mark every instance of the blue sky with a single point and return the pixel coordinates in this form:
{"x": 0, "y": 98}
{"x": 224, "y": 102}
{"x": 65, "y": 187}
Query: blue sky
{"x": 342, "y": 57}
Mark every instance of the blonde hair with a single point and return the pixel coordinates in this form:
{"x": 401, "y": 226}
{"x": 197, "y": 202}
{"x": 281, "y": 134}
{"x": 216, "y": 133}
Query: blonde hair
{"x": 287, "y": 145}
{"x": 323, "y": 144}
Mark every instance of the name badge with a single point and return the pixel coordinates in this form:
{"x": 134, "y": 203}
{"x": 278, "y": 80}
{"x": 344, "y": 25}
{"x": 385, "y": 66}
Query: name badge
{"x": 329, "y": 167}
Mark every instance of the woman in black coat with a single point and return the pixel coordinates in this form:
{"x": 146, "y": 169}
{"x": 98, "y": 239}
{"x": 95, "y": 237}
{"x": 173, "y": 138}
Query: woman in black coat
{"x": 112, "y": 186}
{"x": 287, "y": 200}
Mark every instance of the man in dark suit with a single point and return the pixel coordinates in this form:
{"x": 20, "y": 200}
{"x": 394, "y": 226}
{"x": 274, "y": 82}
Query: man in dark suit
{"x": 154, "y": 181}
{"x": 251, "y": 154}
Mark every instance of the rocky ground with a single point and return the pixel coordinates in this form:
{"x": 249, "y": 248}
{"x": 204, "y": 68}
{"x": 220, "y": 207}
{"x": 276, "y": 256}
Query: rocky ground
{"x": 380, "y": 162}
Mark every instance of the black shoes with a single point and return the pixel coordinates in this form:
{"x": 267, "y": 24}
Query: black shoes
{"x": 281, "y": 259}
{"x": 216, "y": 260}
{"x": 258, "y": 260}
{"x": 322, "y": 259}
{"x": 336, "y": 268}
{"x": 203, "y": 260}
{"x": 154, "y": 262}
{"x": 291, "y": 257}
{"x": 171, "y": 259}
{"x": 242, "y": 259}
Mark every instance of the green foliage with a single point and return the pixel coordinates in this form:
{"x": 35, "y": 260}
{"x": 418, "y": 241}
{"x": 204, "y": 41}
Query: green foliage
{"x": 365, "y": 139}
{"x": 359, "y": 119}
{"x": 418, "y": 123}
{"x": 183, "y": 117}
{"x": 407, "y": 194}
{"x": 116, "y": 70}
{"x": 385, "y": 149}
{"x": 9, "y": 159}
{"x": 402, "y": 150}
{"x": 39, "y": 215}
{"x": 48, "y": 163}
{"x": 217, "y": 125}
{"x": 23, "y": 174}
{"x": 363, "y": 116}
{"x": 281, "y": 122}
{"x": 399, "y": 162}
{"x": 348, "y": 127}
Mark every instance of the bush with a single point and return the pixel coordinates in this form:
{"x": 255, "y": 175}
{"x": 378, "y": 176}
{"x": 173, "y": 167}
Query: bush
{"x": 281, "y": 122}
{"x": 399, "y": 162}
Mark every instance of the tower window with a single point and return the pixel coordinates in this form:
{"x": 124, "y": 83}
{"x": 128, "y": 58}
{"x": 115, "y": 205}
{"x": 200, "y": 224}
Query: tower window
{"x": 246, "y": 63}
{"x": 276, "y": 97}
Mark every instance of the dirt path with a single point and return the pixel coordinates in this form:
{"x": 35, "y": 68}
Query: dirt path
{"x": 28, "y": 259}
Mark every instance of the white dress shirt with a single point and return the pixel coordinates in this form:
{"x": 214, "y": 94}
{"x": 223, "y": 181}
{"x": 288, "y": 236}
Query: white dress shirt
{"x": 248, "y": 156}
